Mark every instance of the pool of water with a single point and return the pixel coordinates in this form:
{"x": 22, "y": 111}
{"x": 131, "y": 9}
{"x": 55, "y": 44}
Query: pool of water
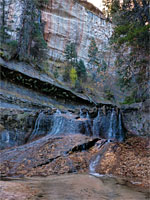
{"x": 83, "y": 187}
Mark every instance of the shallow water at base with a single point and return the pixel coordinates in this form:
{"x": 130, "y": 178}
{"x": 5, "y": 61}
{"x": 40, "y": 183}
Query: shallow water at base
{"x": 84, "y": 187}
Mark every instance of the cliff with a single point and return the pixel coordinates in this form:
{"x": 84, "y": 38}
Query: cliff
{"x": 69, "y": 20}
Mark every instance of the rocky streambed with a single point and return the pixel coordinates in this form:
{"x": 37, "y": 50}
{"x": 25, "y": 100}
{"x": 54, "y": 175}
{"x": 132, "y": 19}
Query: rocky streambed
{"x": 65, "y": 145}
{"x": 66, "y": 187}
{"x": 76, "y": 154}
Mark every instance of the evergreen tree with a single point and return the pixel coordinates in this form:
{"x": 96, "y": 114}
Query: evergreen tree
{"x": 132, "y": 23}
{"x": 73, "y": 63}
{"x": 4, "y": 36}
{"x": 30, "y": 45}
{"x": 81, "y": 70}
{"x": 31, "y": 42}
{"x": 70, "y": 52}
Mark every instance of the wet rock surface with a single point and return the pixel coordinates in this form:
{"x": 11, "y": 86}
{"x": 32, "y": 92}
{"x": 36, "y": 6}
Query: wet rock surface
{"x": 16, "y": 126}
{"x": 130, "y": 159}
{"x": 19, "y": 126}
{"x": 79, "y": 154}
{"x": 46, "y": 156}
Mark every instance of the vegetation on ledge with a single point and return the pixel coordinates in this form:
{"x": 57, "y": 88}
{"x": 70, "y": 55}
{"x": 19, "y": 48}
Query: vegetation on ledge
{"x": 30, "y": 45}
{"x": 130, "y": 40}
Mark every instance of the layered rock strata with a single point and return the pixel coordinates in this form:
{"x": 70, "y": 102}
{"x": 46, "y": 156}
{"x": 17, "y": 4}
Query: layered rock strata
{"x": 64, "y": 21}
{"x": 71, "y": 21}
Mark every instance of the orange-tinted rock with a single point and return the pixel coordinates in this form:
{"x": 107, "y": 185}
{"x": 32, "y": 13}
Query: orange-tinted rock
{"x": 130, "y": 160}
{"x": 67, "y": 20}
{"x": 47, "y": 156}
{"x": 76, "y": 22}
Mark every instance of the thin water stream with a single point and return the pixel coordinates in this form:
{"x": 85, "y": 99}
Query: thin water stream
{"x": 106, "y": 126}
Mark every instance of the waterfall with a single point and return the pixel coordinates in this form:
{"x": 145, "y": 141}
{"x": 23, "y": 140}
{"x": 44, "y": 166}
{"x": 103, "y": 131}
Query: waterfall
{"x": 107, "y": 126}
{"x": 120, "y": 129}
{"x": 37, "y": 125}
{"x": 62, "y": 124}
{"x": 96, "y": 123}
{"x": 57, "y": 123}
{"x": 93, "y": 164}
{"x": 96, "y": 161}
{"x": 110, "y": 130}
{"x": 7, "y": 137}
{"x": 92, "y": 167}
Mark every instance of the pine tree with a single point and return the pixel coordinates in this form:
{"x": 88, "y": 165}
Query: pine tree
{"x": 132, "y": 24}
{"x": 31, "y": 41}
{"x": 4, "y": 36}
{"x": 81, "y": 70}
{"x": 70, "y": 52}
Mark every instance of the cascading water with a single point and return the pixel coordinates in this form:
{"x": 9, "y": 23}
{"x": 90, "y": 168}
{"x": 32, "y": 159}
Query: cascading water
{"x": 96, "y": 123}
{"x": 58, "y": 112}
{"x": 5, "y": 136}
{"x": 94, "y": 162}
{"x": 37, "y": 125}
{"x": 57, "y": 123}
{"x": 107, "y": 125}
{"x": 93, "y": 165}
{"x": 65, "y": 124}
{"x": 110, "y": 131}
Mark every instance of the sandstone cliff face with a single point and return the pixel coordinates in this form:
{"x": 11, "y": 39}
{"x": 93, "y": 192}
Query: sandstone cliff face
{"x": 12, "y": 11}
{"x": 69, "y": 21}
{"x": 64, "y": 21}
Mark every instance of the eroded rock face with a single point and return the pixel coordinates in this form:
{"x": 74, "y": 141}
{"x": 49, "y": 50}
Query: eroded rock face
{"x": 26, "y": 76}
{"x": 64, "y": 21}
{"x": 20, "y": 126}
{"x": 136, "y": 118}
{"x": 15, "y": 126}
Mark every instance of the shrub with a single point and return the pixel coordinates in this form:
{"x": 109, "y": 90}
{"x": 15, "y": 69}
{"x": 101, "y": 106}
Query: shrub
{"x": 73, "y": 75}
{"x": 56, "y": 74}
